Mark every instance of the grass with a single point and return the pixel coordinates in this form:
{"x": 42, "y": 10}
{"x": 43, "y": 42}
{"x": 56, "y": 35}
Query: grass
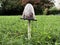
{"x": 45, "y": 31}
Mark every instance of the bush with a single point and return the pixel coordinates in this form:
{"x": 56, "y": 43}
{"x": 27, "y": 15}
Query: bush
{"x": 54, "y": 11}
{"x": 38, "y": 10}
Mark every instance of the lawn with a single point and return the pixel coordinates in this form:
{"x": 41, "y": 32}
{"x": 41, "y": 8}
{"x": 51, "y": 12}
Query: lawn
{"x": 45, "y": 31}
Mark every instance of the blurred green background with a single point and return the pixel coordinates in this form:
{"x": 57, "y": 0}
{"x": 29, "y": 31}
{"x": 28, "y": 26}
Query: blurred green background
{"x": 15, "y": 7}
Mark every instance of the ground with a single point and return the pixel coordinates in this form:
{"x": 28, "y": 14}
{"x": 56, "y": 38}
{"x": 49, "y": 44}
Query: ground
{"x": 44, "y": 31}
